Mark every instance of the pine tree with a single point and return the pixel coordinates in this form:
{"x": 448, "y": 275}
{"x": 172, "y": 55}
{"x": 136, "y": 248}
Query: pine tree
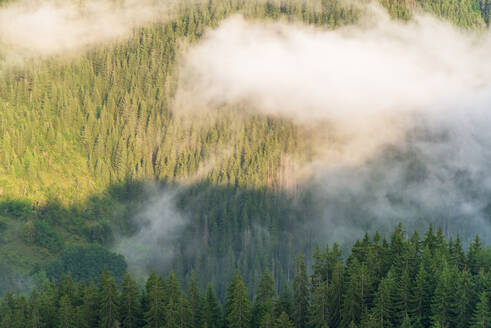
{"x": 263, "y": 303}
{"x": 352, "y": 300}
{"x": 283, "y": 321}
{"x": 194, "y": 301}
{"x": 422, "y": 292}
{"x": 284, "y": 302}
{"x": 383, "y": 303}
{"x": 90, "y": 307}
{"x": 155, "y": 302}
{"x": 35, "y": 317}
{"x": 266, "y": 322}
{"x": 400, "y": 297}
{"x": 300, "y": 294}
{"x": 475, "y": 256}
{"x": 174, "y": 306}
{"x": 239, "y": 311}
{"x": 108, "y": 301}
{"x": 48, "y": 301}
{"x": 319, "y": 309}
{"x": 406, "y": 323}
{"x": 172, "y": 314}
{"x": 211, "y": 309}
{"x": 465, "y": 297}
{"x": 66, "y": 315}
{"x": 482, "y": 314}
{"x": 444, "y": 300}
{"x": 130, "y": 306}
{"x": 335, "y": 291}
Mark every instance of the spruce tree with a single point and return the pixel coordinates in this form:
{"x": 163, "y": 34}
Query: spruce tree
{"x": 444, "y": 302}
{"x": 319, "y": 309}
{"x": 239, "y": 309}
{"x": 108, "y": 301}
{"x": 155, "y": 302}
{"x": 194, "y": 301}
{"x": 212, "y": 317}
{"x": 301, "y": 294}
{"x": 335, "y": 298}
{"x": 465, "y": 297}
{"x": 35, "y": 318}
{"x": 406, "y": 323}
{"x": 263, "y": 303}
{"x": 130, "y": 303}
{"x": 482, "y": 313}
{"x": 382, "y": 310}
{"x": 284, "y": 302}
{"x": 352, "y": 298}
{"x": 66, "y": 315}
{"x": 284, "y": 321}
{"x": 90, "y": 307}
{"x": 266, "y": 322}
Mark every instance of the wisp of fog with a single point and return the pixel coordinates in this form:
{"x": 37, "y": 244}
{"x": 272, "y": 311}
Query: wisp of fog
{"x": 30, "y": 28}
{"x": 159, "y": 225}
{"x": 412, "y": 98}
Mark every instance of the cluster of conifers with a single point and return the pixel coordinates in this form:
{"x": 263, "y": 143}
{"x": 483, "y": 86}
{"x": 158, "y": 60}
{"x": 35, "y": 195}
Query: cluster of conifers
{"x": 407, "y": 281}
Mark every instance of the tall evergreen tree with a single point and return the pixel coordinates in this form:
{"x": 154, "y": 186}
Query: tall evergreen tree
{"x": 319, "y": 309}
{"x": 383, "y": 311}
{"x": 155, "y": 302}
{"x": 263, "y": 303}
{"x": 335, "y": 291}
{"x": 194, "y": 301}
{"x": 444, "y": 300}
{"x": 301, "y": 294}
{"x": 239, "y": 309}
{"x": 66, "y": 315}
{"x": 284, "y": 302}
{"x": 482, "y": 314}
{"x": 108, "y": 301}
{"x": 211, "y": 309}
{"x": 284, "y": 321}
{"x": 130, "y": 303}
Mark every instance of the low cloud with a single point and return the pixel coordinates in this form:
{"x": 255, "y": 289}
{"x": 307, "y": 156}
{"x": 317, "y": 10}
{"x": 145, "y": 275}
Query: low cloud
{"x": 408, "y": 104}
{"x": 159, "y": 228}
{"x": 30, "y": 28}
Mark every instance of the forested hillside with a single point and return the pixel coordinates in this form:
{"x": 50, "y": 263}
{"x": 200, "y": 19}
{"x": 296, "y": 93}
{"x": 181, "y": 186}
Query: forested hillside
{"x": 407, "y": 281}
{"x": 81, "y": 137}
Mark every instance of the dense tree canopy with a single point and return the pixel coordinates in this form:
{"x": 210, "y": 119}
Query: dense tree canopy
{"x": 394, "y": 296}
{"x": 80, "y": 138}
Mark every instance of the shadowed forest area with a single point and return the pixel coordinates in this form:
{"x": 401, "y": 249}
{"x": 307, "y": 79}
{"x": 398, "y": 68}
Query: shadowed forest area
{"x": 92, "y": 154}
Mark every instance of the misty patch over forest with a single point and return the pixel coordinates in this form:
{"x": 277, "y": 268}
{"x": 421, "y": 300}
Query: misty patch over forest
{"x": 407, "y": 103}
{"x": 235, "y": 134}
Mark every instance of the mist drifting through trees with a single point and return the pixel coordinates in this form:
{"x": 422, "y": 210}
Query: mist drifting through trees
{"x": 214, "y": 141}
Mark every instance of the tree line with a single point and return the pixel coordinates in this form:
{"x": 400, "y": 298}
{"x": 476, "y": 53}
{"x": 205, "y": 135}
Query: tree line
{"x": 406, "y": 281}
{"x": 79, "y": 137}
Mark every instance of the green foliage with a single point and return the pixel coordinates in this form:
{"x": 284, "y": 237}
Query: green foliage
{"x": 80, "y": 136}
{"x": 154, "y": 302}
{"x": 212, "y": 315}
{"x": 283, "y": 321}
{"x": 238, "y": 306}
{"x": 108, "y": 301}
{"x": 86, "y": 263}
{"x": 482, "y": 313}
{"x": 262, "y": 310}
{"x": 319, "y": 309}
{"x": 130, "y": 303}
{"x": 40, "y": 233}
{"x": 163, "y": 303}
{"x": 301, "y": 294}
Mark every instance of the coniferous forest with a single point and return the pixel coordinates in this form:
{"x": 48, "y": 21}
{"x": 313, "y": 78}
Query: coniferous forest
{"x": 88, "y": 140}
{"x": 406, "y": 281}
